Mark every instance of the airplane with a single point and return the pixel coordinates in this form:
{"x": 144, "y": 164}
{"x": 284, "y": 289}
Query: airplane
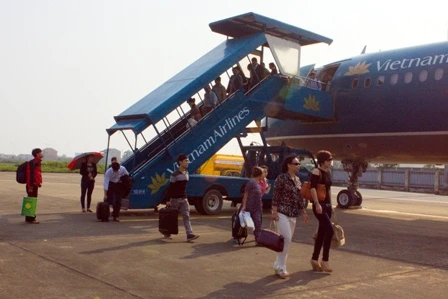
{"x": 388, "y": 107}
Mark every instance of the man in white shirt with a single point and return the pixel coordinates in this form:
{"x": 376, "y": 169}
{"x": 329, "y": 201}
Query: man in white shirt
{"x": 113, "y": 187}
{"x": 210, "y": 100}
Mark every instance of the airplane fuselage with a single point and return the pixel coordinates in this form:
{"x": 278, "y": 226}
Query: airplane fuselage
{"x": 389, "y": 107}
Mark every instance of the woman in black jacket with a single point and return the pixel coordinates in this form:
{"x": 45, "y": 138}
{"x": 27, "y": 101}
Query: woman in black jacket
{"x": 88, "y": 172}
{"x": 322, "y": 210}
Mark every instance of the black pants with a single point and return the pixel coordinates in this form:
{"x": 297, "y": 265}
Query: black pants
{"x": 33, "y": 193}
{"x": 324, "y": 233}
{"x": 114, "y": 195}
{"x": 86, "y": 187}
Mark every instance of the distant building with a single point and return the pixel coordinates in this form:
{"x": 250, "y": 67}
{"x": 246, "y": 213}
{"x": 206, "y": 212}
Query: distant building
{"x": 24, "y": 157}
{"x": 50, "y": 154}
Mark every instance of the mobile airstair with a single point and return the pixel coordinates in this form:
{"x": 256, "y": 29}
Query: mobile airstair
{"x": 164, "y": 110}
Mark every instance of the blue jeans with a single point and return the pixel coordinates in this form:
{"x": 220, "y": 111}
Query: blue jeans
{"x": 181, "y": 204}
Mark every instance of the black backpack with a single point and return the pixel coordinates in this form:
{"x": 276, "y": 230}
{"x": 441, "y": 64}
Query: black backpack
{"x": 21, "y": 173}
{"x": 238, "y": 232}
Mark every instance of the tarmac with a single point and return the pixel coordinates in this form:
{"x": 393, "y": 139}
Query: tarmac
{"x": 396, "y": 247}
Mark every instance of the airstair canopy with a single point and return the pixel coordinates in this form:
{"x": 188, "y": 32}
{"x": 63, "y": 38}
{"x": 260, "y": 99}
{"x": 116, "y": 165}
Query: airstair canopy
{"x": 160, "y": 102}
{"x": 251, "y": 23}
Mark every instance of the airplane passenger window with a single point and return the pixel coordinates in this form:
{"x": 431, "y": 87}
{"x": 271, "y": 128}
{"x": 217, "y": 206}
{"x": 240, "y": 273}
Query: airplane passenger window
{"x": 394, "y": 79}
{"x": 438, "y": 74}
{"x": 367, "y": 82}
{"x": 408, "y": 77}
{"x": 355, "y": 83}
{"x": 380, "y": 81}
{"x": 423, "y": 76}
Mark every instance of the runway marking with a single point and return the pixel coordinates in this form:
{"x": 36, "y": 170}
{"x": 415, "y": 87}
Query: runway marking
{"x": 405, "y": 213}
{"x": 406, "y": 199}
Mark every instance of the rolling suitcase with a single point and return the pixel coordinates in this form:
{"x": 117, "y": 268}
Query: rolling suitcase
{"x": 102, "y": 211}
{"x": 168, "y": 221}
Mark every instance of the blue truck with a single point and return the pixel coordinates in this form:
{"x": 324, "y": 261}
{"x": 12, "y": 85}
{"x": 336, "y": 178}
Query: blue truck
{"x": 207, "y": 193}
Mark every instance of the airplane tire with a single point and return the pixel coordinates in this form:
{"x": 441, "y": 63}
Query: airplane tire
{"x": 344, "y": 199}
{"x": 358, "y": 197}
{"x": 211, "y": 203}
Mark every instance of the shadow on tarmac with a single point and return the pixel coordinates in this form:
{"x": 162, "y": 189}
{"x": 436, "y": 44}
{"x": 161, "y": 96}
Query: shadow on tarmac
{"x": 266, "y": 286}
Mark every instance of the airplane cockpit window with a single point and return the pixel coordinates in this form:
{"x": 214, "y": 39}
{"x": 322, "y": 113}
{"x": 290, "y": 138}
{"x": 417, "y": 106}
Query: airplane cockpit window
{"x": 408, "y": 77}
{"x": 394, "y": 79}
{"x": 367, "y": 82}
{"x": 380, "y": 81}
{"x": 423, "y": 76}
{"x": 438, "y": 74}
{"x": 355, "y": 83}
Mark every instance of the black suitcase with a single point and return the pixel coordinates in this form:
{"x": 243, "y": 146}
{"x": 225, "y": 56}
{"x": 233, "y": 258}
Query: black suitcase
{"x": 102, "y": 211}
{"x": 168, "y": 221}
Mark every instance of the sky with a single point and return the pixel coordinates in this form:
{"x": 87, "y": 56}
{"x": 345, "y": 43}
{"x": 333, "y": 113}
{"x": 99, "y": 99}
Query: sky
{"x": 68, "y": 66}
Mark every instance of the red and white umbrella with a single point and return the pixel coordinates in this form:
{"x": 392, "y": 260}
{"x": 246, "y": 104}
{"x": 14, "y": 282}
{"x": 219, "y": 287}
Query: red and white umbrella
{"x": 78, "y": 160}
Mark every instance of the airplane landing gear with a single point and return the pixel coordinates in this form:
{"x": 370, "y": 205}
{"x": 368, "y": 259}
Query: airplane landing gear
{"x": 351, "y": 196}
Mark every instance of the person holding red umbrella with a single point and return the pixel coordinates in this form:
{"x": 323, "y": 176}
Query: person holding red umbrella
{"x": 88, "y": 171}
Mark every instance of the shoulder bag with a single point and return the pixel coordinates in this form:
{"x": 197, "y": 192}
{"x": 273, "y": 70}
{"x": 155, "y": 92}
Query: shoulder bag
{"x": 321, "y": 190}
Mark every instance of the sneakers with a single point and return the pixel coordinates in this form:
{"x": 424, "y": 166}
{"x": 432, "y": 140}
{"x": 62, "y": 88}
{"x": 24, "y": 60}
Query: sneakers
{"x": 192, "y": 237}
{"x": 89, "y": 210}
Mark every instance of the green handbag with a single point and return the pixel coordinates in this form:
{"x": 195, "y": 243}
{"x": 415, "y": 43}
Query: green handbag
{"x": 29, "y": 206}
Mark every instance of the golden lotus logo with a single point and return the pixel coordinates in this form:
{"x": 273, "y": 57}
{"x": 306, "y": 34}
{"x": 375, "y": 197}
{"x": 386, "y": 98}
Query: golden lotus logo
{"x": 311, "y": 103}
{"x": 157, "y": 182}
{"x": 27, "y": 206}
{"x": 358, "y": 69}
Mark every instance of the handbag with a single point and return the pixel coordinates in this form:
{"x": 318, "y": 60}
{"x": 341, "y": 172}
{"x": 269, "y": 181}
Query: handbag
{"x": 306, "y": 191}
{"x": 29, "y": 206}
{"x": 338, "y": 239}
{"x": 321, "y": 190}
{"x": 271, "y": 239}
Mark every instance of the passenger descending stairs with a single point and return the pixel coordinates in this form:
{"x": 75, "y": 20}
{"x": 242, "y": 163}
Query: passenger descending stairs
{"x": 201, "y": 142}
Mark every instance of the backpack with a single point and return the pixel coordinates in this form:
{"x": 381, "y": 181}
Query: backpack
{"x": 21, "y": 173}
{"x": 238, "y": 232}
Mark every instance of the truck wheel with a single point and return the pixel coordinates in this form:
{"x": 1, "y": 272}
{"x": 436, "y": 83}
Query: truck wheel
{"x": 198, "y": 206}
{"x": 211, "y": 203}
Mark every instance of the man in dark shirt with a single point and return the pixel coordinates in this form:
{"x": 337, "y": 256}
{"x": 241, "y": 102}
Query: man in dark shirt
{"x": 178, "y": 195}
{"x": 34, "y": 179}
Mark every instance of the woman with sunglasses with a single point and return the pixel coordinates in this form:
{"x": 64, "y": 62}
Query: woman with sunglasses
{"x": 287, "y": 203}
{"x": 322, "y": 210}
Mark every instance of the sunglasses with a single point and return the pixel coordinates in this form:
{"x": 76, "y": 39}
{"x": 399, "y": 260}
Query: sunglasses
{"x": 296, "y": 164}
{"x": 329, "y": 159}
